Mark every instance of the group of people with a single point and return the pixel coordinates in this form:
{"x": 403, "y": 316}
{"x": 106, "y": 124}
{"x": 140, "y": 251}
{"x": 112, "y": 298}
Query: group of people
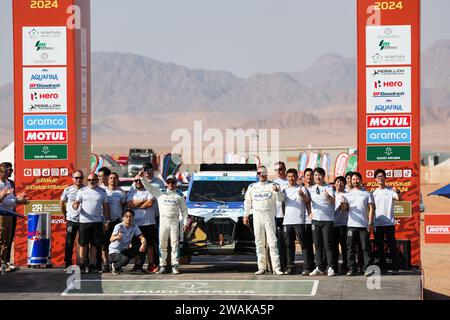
{"x": 115, "y": 226}
{"x": 326, "y": 219}
{"x": 8, "y": 218}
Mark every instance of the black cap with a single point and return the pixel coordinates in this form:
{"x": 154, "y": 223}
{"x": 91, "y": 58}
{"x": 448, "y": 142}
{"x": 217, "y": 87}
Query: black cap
{"x": 147, "y": 166}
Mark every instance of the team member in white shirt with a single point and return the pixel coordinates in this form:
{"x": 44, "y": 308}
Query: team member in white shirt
{"x": 116, "y": 200}
{"x": 260, "y": 200}
{"x": 384, "y": 224}
{"x": 142, "y": 202}
{"x": 94, "y": 212}
{"x": 8, "y": 202}
{"x": 123, "y": 247}
{"x": 71, "y": 216}
{"x": 281, "y": 180}
{"x": 360, "y": 205}
{"x": 103, "y": 176}
{"x": 322, "y": 203}
{"x": 340, "y": 223}
{"x": 295, "y": 212}
{"x": 359, "y": 251}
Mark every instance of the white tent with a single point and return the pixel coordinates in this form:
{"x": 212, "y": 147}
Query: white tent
{"x": 7, "y": 155}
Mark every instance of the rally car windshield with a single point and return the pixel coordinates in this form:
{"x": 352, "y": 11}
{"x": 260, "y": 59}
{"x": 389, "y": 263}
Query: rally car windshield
{"x": 219, "y": 191}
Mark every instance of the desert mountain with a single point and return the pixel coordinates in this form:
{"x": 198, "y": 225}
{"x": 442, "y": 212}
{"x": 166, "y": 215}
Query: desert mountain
{"x": 129, "y": 89}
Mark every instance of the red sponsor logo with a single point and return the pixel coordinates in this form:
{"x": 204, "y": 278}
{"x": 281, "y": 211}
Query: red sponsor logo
{"x": 438, "y": 229}
{"x": 392, "y": 121}
{"x": 44, "y": 96}
{"x": 388, "y": 84}
{"x": 45, "y": 136}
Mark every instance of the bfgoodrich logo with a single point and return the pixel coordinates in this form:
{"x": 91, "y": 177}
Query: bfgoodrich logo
{"x": 438, "y": 230}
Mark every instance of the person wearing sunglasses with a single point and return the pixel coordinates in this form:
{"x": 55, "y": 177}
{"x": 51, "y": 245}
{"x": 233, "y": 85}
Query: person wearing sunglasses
{"x": 171, "y": 204}
{"x": 149, "y": 174}
{"x": 260, "y": 200}
{"x": 71, "y": 216}
{"x": 322, "y": 206}
{"x": 281, "y": 180}
{"x": 142, "y": 202}
{"x": 361, "y": 213}
{"x": 384, "y": 224}
{"x": 94, "y": 217}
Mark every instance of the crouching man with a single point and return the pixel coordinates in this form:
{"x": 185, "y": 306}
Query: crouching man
{"x": 120, "y": 251}
{"x": 170, "y": 204}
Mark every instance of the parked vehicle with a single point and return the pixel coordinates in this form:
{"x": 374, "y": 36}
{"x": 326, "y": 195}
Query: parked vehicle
{"x": 137, "y": 158}
{"x": 215, "y": 201}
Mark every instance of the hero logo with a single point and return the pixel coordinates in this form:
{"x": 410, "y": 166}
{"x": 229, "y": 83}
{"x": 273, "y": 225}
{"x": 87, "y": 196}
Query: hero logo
{"x": 389, "y": 121}
{"x": 44, "y": 96}
{"x": 388, "y": 84}
{"x": 45, "y": 136}
{"x": 261, "y": 196}
{"x": 438, "y": 229}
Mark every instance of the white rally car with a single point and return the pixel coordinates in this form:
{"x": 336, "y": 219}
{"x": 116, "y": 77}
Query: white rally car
{"x": 215, "y": 200}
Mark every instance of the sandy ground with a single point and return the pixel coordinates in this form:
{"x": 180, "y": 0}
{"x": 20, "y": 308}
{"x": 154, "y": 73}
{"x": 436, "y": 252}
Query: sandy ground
{"x": 435, "y": 257}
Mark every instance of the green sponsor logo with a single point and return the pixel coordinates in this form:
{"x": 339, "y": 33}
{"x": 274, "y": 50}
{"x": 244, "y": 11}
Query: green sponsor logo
{"x": 46, "y": 152}
{"x": 389, "y": 153}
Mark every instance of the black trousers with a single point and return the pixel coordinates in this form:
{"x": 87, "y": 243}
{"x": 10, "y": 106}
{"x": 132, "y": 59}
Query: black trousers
{"x": 13, "y": 232}
{"x": 340, "y": 239}
{"x": 323, "y": 238}
{"x": 360, "y": 235}
{"x": 299, "y": 232}
{"x": 71, "y": 233}
{"x": 121, "y": 259}
{"x": 281, "y": 243}
{"x": 380, "y": 233}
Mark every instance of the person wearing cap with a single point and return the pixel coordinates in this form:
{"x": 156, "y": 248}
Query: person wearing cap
{"x": 149, "y": 174}
{"x": 260, "y": 199}
{"x": 171, "y": 203}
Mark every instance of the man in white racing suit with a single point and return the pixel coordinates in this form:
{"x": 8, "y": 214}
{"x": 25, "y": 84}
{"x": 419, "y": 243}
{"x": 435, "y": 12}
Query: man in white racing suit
{"x": 260, "y": 199}
{"x": 170, "y": 203}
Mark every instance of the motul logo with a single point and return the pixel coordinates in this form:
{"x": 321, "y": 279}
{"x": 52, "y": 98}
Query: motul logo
{"x": 45, "y": 136}
{"x": 389, "y": 121}
{"x": 438, "y": 229}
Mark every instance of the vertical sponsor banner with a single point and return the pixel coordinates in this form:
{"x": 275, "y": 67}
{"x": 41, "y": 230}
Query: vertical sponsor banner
{"x": 389, "y": 105}
{"x": 51, "y": 61}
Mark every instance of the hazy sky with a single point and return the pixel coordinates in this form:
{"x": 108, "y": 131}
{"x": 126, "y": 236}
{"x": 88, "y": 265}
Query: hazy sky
{"x": 240, "y": 36}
